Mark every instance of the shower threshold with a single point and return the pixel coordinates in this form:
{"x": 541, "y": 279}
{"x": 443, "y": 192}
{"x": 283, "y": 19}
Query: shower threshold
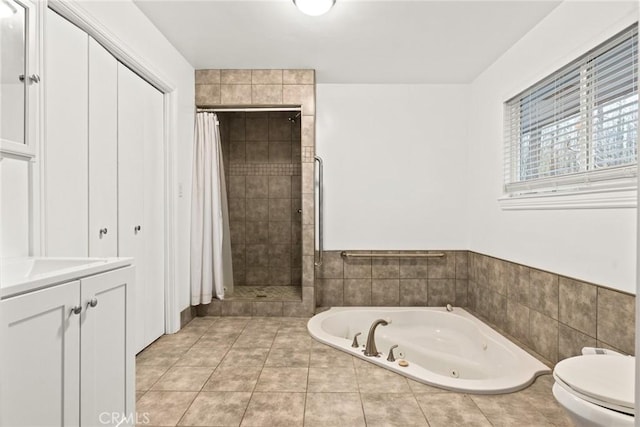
{"x": 266, "y": 293}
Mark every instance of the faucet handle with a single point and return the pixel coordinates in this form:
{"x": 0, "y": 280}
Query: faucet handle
{"x": 391, "y": 358}
{"x": 355, "y": 344}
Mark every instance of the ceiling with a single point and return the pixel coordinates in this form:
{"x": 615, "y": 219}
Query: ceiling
{"x": 358, "y": 41}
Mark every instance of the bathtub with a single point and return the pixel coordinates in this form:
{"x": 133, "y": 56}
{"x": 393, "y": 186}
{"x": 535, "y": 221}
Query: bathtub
{"x": 452, "y": 350}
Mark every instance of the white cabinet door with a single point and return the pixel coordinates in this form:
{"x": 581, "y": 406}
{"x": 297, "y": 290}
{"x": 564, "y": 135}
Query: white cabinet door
{"x": 140, "y": 198}
{"x": 65, "y": 146}
{"x": 107, "y": 352}
{"x": 103, "y": 152}
{"x": 40, "y": 336}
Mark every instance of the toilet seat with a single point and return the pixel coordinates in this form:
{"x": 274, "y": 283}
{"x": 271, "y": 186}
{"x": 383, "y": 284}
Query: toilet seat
{"x": 606, "y": 381}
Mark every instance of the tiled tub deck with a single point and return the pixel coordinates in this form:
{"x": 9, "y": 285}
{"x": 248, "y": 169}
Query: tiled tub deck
{"x": 242, "y": 371}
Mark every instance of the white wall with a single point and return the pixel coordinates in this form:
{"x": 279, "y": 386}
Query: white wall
{"x": 596, "y": 245}
{"x": 395, "y": 172}
{"x": 131, "y": 26}
{"x": 14, "y": 208}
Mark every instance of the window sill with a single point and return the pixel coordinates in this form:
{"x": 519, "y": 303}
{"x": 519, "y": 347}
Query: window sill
{"x": 595, "y": 199}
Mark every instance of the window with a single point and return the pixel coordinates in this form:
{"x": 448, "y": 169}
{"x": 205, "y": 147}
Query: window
{"x": 577, "y": 130}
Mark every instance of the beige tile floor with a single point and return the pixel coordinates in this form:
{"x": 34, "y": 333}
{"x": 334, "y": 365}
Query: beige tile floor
{"x": 233, "y": 371}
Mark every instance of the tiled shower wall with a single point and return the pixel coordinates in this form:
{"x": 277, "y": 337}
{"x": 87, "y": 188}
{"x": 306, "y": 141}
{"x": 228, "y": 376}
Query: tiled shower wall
{"x": 262, "y": 153}
{"x": 259, "y": 88}
{"x": 552, "y": 315}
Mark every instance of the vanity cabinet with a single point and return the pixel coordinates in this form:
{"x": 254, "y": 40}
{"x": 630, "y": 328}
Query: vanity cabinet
{"x": 67, "y": 354}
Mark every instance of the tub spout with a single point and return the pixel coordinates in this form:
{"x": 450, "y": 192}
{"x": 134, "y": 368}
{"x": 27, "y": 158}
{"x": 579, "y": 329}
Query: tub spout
{"x": 370, "y": 350}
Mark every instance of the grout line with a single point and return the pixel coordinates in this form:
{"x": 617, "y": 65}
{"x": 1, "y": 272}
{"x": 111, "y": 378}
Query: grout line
{"x": 480, "y": 409}
{"x": 306, "y": 392}
{"x": 413, "y": 394}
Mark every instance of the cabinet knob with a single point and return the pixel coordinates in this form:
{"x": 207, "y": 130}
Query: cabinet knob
{"x": 103, "y": 231}
{"x": 77, "y": 309}
{"x": 137, "y": 229}
{"x": 92, "y": 303}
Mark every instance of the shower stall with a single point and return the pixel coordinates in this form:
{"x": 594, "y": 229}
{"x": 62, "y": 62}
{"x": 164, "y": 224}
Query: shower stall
{"x": 262, "y": 166}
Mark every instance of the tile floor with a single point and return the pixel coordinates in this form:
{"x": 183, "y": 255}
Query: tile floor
{"x": 239, "y": 371}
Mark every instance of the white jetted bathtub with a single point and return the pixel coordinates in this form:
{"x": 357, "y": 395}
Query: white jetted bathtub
{"x": 449, "y": 349}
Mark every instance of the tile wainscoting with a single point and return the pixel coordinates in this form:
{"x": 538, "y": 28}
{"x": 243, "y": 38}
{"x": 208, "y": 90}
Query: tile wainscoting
{"x": 392, "y": 281}
{"x": 552, "y": 315}
{"x": 549, "y": 314}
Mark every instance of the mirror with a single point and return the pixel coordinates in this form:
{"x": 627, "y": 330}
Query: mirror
{"x": 13, "y": 69}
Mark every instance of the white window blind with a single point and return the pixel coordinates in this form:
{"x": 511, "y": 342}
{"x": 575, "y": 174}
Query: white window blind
{"x": 577, "y": 129}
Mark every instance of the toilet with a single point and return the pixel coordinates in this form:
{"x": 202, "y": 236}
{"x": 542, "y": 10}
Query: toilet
{"x": 596, "y": 390}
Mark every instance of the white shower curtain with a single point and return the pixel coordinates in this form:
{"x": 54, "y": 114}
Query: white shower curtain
{"x": 211, "y": 269}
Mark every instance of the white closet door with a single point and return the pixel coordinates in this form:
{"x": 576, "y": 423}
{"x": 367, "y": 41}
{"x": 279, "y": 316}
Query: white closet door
{"x": 65, "y": 146}
{"x": 131, "y": 166}
{"x": 103, "y": 152}
{"x": 154, "y": 211}
{"x": 141, "y": 198}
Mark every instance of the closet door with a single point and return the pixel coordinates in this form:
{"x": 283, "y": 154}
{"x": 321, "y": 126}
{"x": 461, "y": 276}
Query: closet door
{"x": 65, "y": 147}
{"x": 141, "y": 198}
{"x": 154, "y": 211}
{"x": 103, "y": 152}
{"x": 131, "y": 170}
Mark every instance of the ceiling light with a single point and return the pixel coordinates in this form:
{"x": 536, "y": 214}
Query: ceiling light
{"x": 314, "y": 7}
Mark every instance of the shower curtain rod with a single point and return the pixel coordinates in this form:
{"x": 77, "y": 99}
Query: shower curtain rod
{"x": 247, "y": 110}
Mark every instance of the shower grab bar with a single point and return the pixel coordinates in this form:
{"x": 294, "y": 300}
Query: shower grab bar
{"x": 320, "y": 216}
{"x": 346, "y": 254}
